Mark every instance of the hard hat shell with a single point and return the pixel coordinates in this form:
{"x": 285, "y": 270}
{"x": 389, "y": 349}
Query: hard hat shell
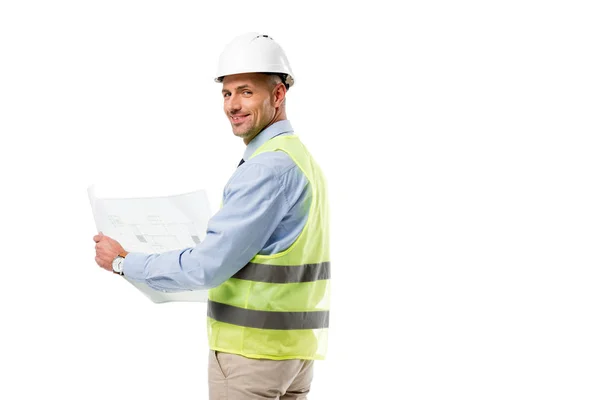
{"x": 254, "y": 52}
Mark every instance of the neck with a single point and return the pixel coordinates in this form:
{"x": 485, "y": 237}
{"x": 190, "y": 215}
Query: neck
{"x": 279, "y": 116}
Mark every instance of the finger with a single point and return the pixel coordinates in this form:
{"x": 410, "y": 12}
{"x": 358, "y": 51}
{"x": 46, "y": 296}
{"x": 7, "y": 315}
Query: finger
{"x": 100, "y": 246}
{"x": 102, "y": 264}
{"x": 104, "y": 239}
{"x": 104, "y": 253}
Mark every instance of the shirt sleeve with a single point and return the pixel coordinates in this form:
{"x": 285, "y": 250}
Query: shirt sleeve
{"x": 254, "y": 203}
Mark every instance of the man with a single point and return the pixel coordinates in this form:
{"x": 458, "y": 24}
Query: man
{"x": 265, "y": 257}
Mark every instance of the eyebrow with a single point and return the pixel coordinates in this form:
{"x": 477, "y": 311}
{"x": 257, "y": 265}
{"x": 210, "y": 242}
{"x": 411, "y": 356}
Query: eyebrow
{"x": 237, "y": 88}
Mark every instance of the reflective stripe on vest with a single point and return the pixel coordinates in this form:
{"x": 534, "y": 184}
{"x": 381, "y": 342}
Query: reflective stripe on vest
{"x": 284, "y": 273}
{"x": 268, "y": 319}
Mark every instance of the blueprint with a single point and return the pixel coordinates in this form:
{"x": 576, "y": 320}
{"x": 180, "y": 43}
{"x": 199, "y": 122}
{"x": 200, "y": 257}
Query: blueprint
{"x": 155, "y": 225}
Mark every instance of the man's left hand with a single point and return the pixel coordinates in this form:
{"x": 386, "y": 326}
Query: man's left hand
{"x": 107, "y": 249}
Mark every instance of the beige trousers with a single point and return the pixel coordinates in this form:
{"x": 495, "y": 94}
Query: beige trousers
{"x": 233, "y": 377}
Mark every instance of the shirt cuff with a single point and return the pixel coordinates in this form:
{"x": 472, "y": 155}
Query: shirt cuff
{"x": 134, "y": 266}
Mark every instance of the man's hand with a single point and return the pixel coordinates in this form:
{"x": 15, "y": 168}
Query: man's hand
{"x": 107, "y": 249}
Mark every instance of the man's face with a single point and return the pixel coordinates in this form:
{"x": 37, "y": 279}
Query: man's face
{"x": 248, "y": 103}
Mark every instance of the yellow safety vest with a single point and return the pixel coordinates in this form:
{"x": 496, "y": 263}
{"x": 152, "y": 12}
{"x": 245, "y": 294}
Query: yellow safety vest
{"x": 277, "y": 306}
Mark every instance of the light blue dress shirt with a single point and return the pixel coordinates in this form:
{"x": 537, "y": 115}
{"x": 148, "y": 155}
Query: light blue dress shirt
{"x": 265, "y": 207}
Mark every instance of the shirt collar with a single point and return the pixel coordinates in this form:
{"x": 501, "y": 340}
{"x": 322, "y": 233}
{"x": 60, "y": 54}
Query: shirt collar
{"x": 276, "y": 129}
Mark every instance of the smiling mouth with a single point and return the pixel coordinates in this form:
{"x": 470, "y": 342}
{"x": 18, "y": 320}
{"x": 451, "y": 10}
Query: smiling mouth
{"x": 238, "y": 119}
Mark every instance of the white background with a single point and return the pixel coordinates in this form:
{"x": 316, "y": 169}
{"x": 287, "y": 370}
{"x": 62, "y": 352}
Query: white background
{"x": 460, "y": 142}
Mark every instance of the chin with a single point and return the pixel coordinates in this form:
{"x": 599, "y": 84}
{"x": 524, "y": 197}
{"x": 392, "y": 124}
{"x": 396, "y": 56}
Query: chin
{"x": 241, "y": 134}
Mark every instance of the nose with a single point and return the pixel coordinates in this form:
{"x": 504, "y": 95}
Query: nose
{"x": 232, "y": 104}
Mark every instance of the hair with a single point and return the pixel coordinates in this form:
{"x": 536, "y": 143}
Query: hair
{"x": 276, "y": 78}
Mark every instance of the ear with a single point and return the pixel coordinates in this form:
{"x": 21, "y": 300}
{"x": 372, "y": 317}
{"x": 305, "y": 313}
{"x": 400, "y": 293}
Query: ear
{"x": 279, "y": 95}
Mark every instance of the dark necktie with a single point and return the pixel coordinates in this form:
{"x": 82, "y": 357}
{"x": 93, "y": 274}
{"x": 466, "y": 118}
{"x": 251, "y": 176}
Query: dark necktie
{"x": 241, "y": 162}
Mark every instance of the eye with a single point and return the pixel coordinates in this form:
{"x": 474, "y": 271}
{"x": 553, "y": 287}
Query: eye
{"x": 247, "y": 92}
{"x": 226, "y": 94}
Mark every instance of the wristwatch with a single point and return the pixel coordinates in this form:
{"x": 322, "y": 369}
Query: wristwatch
{"x": 117, "y": 264}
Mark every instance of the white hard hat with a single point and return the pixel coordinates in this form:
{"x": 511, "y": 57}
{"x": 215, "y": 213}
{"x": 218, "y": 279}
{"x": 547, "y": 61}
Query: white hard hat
{"x": 254, "y": 52}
